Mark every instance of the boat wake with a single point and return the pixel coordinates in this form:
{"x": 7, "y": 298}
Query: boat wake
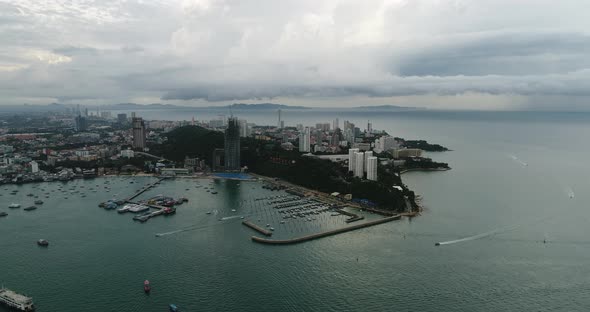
{"x": 490, "y": 233}
{"x": 518, "y": 160}
{"x": 229, "y": 218}
{"x": 570, "y": 193}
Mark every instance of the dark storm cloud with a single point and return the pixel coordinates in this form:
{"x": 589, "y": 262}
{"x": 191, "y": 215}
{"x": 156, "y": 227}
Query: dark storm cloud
{"x": 502, "y": 54}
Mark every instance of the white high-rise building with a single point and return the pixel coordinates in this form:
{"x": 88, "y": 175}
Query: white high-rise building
{"x": 34, "y": 167}
{"x": 305, "y": 141}
{"x": 359, "y": 160}
{"x": 385, "y": 143}
{"x": 372, "y": 168}
{"x": 243, "y": 128}
{"x": 367, "y": 155}
{"x": 351, "y": 159}
{"x": 335, "y": 124}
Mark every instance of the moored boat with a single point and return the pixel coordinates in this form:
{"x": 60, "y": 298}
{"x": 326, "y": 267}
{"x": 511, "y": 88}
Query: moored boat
{"x": 3, "y": 214}
{"x": 42, "y": 242}
{"x": 13, "y": 205}
{"x": 30, "y": 208}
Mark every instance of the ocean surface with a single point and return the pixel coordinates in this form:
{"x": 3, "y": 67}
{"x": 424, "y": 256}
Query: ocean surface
{"x": 521, "y": 177}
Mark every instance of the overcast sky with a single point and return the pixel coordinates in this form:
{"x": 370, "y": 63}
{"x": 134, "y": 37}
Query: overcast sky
{"x": 480, "y": 54}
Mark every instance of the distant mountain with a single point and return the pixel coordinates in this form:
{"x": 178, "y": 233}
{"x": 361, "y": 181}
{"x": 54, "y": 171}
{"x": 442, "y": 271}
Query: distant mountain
{"x": 242, "y": 106}
{"x": 388, "y": 107}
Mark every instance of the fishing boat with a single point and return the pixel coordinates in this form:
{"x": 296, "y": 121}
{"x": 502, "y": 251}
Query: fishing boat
{"x": 146, "y": 286}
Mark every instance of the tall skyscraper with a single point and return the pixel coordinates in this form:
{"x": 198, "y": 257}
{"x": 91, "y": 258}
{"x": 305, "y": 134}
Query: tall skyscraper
{"x": 367, "y": 155}
{"x": 244, "y": 131}
{"x": 372, "y": 168}
{"x": 232, "y": 145}
{"x": 138, "y": 132}
{"x": 81, "y": 123}
{"x": 351, "y": 158}
{"x": 305, "y": 141}
{"x": 359, "y": 161}
{"x": 279, "y": 123}
{"x": 121, "y": 118}
{"x": 369, "y": 127}
{"x": 335, "y": 124}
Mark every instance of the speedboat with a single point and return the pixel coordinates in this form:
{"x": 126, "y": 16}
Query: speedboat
{"x": 43, "y": 242}
{"x": 146, "y": 286}
{"x": 173, "y": 308}
{"x": 13, "y": 205}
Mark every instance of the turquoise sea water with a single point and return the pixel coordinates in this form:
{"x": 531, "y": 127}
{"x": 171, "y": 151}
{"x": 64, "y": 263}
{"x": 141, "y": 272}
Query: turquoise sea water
{"x": 98, "y": 259}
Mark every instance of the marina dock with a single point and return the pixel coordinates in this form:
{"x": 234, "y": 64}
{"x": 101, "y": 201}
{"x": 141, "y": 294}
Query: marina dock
{"x": 257, "y": 228}
{"x": 323, "y": 234}
{"x": 144, "y": 189}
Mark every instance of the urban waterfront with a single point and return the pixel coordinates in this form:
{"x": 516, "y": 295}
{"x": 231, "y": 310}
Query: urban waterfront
{"x": 97, "y": 259}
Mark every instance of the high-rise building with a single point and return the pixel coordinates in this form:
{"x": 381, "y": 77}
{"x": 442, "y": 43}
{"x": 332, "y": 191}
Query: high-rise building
{"x": 369, "y": 127}
{"x": 138, "y": 133}
{"x": 279, "y": 123}
{"x": 367, "y": 155}
{"x": 359, "y": 161}
{"x": 305, "y": 141}
{"x": 385, "y": 143}
{"x": 351, "y": 158}
{"x": 335, "y": 124}
{"x": 81, "y": 123}
{"x": 121, "y": 118}
{"x": 372, "y": 168}
{"x": 323, "y": 127}
{"x": 244, "y": 128}
{"x": 232, "y": 145}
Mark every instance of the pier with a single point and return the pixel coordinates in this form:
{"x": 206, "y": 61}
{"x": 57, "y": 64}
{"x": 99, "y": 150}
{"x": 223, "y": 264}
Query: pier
{"x": 257, "y": 228}
{"x": 144, "y": 189}
{"x": 323, "y": 234}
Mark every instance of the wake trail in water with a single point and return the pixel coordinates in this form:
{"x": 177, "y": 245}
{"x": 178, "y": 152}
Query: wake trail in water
{"x": 518, "y": 160}
{"x": 490, "y": 233}
{"x": 229, "y": 218}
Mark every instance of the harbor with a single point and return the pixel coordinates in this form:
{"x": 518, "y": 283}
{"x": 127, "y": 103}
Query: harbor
{"x": 214, "y": 214}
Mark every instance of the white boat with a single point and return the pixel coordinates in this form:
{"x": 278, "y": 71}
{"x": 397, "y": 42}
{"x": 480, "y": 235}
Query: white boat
{"x": 13, "y": 205}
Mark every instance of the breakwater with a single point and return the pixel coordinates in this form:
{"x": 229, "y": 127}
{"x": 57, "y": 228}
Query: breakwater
{"x": 323, "y": 234}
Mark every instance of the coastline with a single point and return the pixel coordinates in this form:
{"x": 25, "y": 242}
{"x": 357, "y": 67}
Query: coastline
{"x": 423, "y": 169}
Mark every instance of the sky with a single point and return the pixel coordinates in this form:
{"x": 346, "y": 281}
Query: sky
{"x": 447, "y": 54}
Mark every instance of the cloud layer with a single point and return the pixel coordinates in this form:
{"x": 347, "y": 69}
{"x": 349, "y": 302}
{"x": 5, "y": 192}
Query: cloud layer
{"x": 194, "y": 51}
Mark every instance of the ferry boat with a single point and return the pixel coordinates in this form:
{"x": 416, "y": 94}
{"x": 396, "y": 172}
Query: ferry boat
{"x": 13, "y": 205}
{"x": 146, "y": 286}
{"x": 16, "y": 301}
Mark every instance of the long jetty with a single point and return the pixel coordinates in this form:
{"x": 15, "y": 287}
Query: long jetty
{"x": 323, "y": 234}
{"x": 257, "y": 228}
{"x": 144, "y": 189}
